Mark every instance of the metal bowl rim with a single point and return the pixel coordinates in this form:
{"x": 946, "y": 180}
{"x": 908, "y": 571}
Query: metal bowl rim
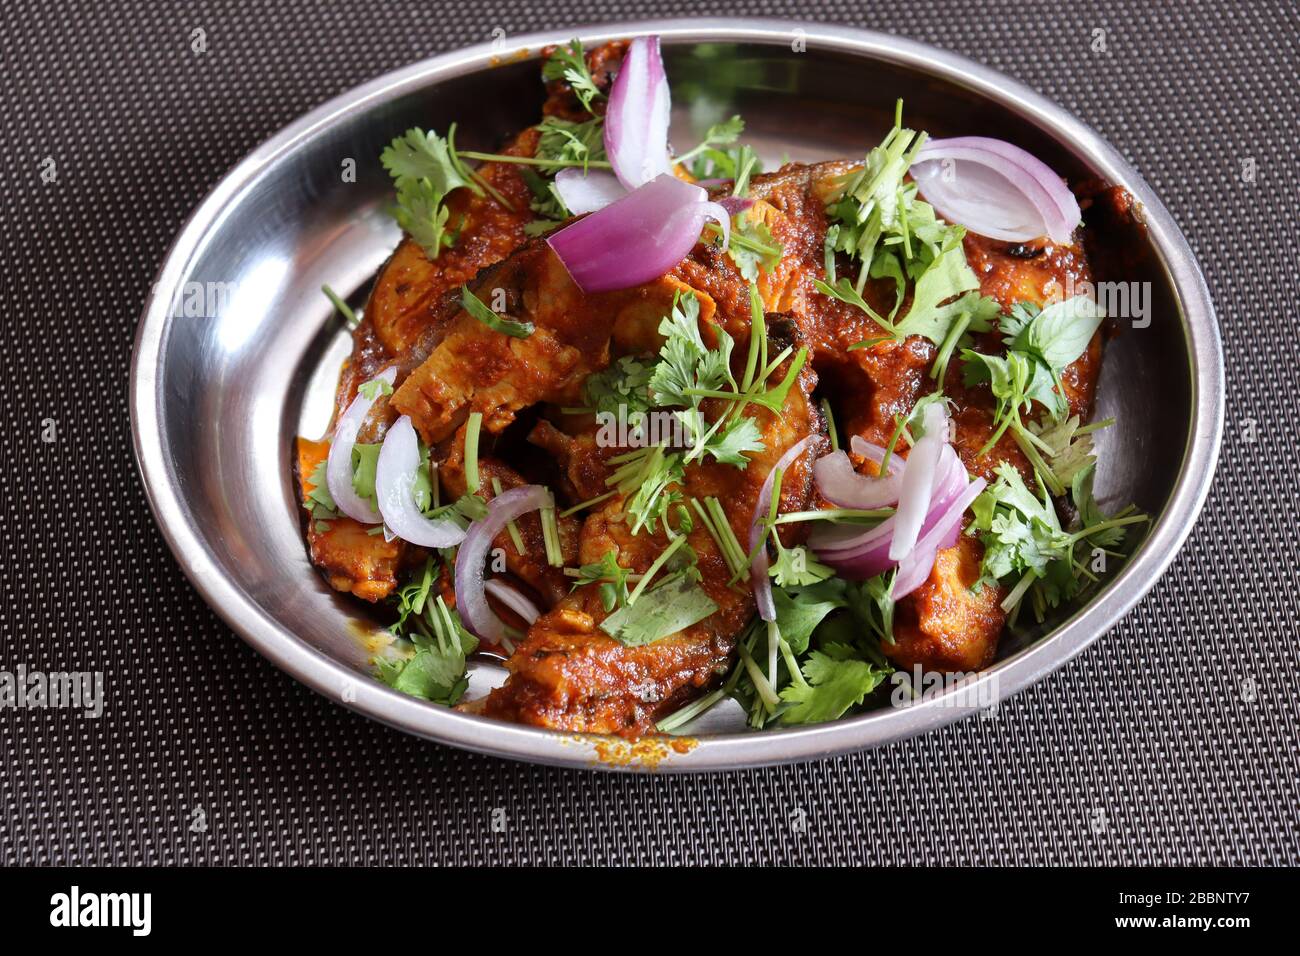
{"x": 726, "y": 751}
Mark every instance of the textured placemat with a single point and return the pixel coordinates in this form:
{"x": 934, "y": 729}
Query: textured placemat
{"x": 1173, "y": 740}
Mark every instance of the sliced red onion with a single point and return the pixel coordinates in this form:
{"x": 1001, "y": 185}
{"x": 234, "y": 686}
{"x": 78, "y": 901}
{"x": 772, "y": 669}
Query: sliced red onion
{"x": 874, "y": 453}
{"x": 338, "y": 468}
{"x": 858, "y": 555}
{"x": 395, "y": 474}
{"x": 589, "y": 191}
{"x": 733, "y": 204}
{"x": 638, "y": 238}
{"x": 636, "y": 123}
{"x": 471, "y": 601}
{"x": 918, "y": 480}
{"x": 843, "y": 487}
{"x": 513, "y": 599}
{"x": 996, "y": 189}
{"x": 916, "y": 567}
{"x": 758, "y": 564}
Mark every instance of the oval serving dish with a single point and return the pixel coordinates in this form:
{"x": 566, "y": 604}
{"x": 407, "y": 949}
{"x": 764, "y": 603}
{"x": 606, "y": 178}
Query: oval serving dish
{"x": 238, "y": 352}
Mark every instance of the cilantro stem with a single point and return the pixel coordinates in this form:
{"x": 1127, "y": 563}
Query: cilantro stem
{"x": 993, "y": 440}
{"x": 850, "y": 515}
{"x": 1094, "y": 426}
{"x": 691, "y": 153}
{"x": 685, "y": 715}
{"x": 713, "y": 533}
{"x": 900, "y": 422}
{"x": 343, "y": 308}
{"x": 774, "y": 398}
{"x": 773, "y": 648}
{"x": 757, "y": 331}
{"x": 713, "y": 393}
{"x": 774, "y": 364}
{"x": 490, "y": 189}
{"x": 727, "y": 534}
{"x": 703, "y": 442}
{"x": 1104, "y": 525}
{"x": 741, "y": 184}
{"x": 551, "y": 538}
{"x": 830, "y": 424}
{"x": 940, "y": 370}
{"x": 515, "y": 538}
{"x": 791, "y": 664}
{"x": 1043, "y": 470}
{"x": 1013, "y": 599}
{"x": 471, "y": 452}
{"x": 533, "y": 161}
{"x": 705, "y": 703}
{"x": 588, "y": 503}
{"x": 654, "y": 568}
{"x": 764, "y": 690}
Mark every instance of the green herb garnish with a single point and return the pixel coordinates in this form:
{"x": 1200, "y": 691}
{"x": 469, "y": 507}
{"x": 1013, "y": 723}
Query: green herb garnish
{"x": 658, "y": 613}
{"x": 341, "y": 306}
{"x": 569, "y": 65}
{"x": 473, "y": 305}
{"x": 425, "y": 173}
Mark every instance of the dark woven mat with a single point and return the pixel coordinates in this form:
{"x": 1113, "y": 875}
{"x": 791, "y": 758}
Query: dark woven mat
{"x": 1173, "y": 740}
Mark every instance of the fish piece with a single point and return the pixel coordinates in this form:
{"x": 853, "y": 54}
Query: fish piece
{"x": 568, "y": 674}
{"x": 945, "y": 626}
{"x": 351, "y": 558}
{"x": 478, "y": 369}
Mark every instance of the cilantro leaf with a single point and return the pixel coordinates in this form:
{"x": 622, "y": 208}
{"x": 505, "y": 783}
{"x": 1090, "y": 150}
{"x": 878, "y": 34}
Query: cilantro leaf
{"x": 1020, "y": 532}
{"x": 1070, "y": 451}
{"x": 624, "y": 385}
{"x": 835, "y": 681}
{"x": 740, "y": 437}
{"x": 422, "y": 215}
{"x": 320, "y": 503}
{"x": 796, "y": 567}
{"x": 646, "y": 475}
{"x": 374, "y": 388}
{"x": 611, "y": 576}
{"x": 569, "y": 64}
{"x": 437, "y": 669}
{"x": 724, "y": 133}
{"x": 752, "y": 247}
{"x": 566, "y": 143}
{"x": 1090, "y": 514}
{"x": 1056, "y": 335}
{"x": 411, "y": 597}
{"x": 417, "y": 155}
{"x": 672, "y": 607}
{"x": 424, "y": 173}
{"x": 799, "y": 611}
{"x": 939, "y": 294}
{"x": 737, "y": 164}
{"x": 685, "y": 362}
{"x": 365, "y": 458}
{"x": 878, "y": 218}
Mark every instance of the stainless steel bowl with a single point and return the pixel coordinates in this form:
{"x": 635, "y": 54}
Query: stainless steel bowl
{"x": 237, "y": 352}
